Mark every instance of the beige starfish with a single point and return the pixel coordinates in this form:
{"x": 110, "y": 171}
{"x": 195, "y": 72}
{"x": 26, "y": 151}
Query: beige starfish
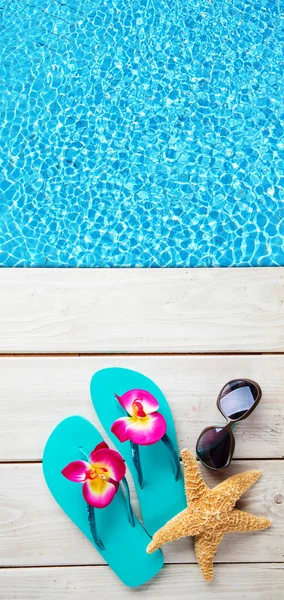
{"x": 209, "y": 514}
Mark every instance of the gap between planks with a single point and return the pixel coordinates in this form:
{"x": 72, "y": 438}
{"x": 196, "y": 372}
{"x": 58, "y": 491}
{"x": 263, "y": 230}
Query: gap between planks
{"x": 131, "y": 354}
{"x": 104, "y": 566}
{"x": 39, "y": 462}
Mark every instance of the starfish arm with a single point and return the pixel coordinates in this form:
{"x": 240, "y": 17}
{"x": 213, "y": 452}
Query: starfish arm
{"x": 178, "y": 527}
{"x": 205, "y": 546}
{"x": 194, "y": 485}
{"x": 240, "y": 520}
{"x": 230, "y": 490}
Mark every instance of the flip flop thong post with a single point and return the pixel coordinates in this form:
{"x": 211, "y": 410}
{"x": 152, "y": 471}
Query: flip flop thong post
{"x": 136, "y": 416}
{"x": 84, "y": 476}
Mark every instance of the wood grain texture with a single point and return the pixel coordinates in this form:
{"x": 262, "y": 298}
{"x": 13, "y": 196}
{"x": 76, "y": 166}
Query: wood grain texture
{"x": 38, "y": 392}
{"x": 141, "y": 310}
{"x": 146, "y": 312}
{"x": 35, "y": 531}
{"x": 248, "y": 582}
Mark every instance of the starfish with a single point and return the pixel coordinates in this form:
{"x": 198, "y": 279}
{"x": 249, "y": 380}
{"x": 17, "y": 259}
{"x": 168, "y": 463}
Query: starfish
{"x": 209, "y": 513}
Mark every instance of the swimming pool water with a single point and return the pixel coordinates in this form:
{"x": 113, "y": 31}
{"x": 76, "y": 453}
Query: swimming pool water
{"x": 141, "y": 133}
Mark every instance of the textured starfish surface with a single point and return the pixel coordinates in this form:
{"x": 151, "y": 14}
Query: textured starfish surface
{"x": 209, "y": 514}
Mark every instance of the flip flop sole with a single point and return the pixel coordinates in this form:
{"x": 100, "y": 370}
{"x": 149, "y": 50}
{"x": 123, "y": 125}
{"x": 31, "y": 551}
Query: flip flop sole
{"x": 125, "y": 546}
{"x": 162, "y": 497}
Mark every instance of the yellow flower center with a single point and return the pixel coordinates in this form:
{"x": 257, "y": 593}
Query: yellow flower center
{"x": 96, "y": 471}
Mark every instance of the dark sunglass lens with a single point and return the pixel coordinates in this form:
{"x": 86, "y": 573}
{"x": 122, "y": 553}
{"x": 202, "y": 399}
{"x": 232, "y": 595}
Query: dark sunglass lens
{"x": 213, "y": 447}
{"x": 237, "y": 398}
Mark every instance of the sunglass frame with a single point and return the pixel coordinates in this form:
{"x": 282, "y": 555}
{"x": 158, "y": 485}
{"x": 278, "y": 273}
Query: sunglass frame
{"x": 258, "y": 398}
{"x": 230, "y": 422}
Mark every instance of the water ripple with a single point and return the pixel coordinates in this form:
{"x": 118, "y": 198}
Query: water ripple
{"x": 142, "y": 133}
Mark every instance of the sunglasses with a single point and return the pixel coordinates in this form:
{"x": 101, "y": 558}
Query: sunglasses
{"x": 215, "y": 445}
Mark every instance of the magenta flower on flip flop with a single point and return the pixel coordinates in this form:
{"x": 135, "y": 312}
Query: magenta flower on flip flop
{"x": 144, "y": 425}
{"x": 100, "y": 476}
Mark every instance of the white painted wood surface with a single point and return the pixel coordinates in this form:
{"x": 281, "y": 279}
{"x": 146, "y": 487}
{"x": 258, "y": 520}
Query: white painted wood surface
{"x": 40, "y": 391}
{"x": 238, "y": 312}
{"x": 36, "y": 531}
{"x": 141, "y": 310}
{"x": 252, "y": 582}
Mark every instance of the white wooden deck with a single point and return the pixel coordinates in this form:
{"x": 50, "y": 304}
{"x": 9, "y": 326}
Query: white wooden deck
{"x": 189, "y": 330}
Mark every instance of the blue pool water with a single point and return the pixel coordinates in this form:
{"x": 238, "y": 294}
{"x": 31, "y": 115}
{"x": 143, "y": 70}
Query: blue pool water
{"x": 141, "y": 133}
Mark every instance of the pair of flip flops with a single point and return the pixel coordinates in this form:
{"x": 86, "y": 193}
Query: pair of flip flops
{"x": 84, "y": 474}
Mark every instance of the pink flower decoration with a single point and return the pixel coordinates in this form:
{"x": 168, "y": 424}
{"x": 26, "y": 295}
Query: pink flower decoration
{"x": 100, "y": 476}
{"x": 144, "y": 425}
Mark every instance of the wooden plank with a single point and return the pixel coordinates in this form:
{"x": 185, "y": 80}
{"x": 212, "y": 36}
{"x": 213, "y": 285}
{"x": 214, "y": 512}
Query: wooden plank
{"x": 141, "y": 310}
{"x": 38, "y": 392}
{"x": 35, "y": 531}
{"x": 249, "y": 582}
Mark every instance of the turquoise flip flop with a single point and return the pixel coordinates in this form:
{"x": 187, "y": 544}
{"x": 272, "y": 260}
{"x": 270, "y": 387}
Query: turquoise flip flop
{"x": 137, "y": 418}
{"x": 76, "y": 448}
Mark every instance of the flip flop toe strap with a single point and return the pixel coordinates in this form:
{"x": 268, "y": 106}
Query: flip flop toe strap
{"x": 92, "y": 516}
{"x": 100, "y": 474}
{"x": 93, "y": 526}
{"x": 169, "y": 444}
{"x": 137, "y": 460}
{"x": 142, "y": 424}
